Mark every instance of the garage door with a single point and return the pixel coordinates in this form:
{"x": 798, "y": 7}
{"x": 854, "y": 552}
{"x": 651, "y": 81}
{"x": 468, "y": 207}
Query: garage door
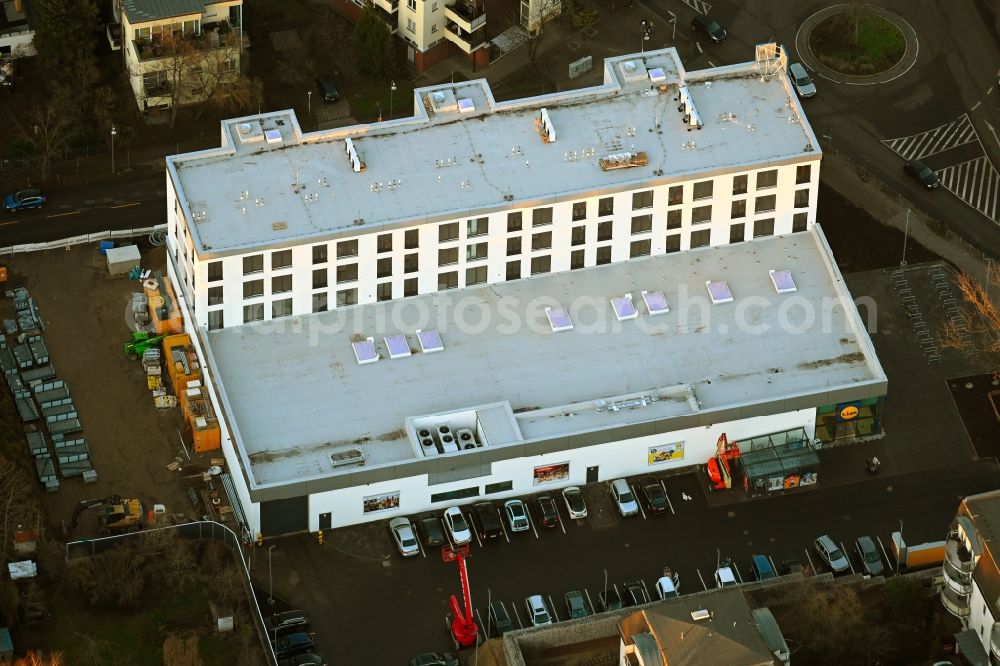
{"x": 286, "y": 516}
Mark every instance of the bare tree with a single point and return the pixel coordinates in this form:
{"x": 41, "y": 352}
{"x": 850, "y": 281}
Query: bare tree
{"x": 540, "y": 12}
{"x": 19, "y": 507}
{"x": 179, "y": 651}
{"x": 47, "y": 128}
{"x": 979, "y": 326}
{"x": 33, "y": 658}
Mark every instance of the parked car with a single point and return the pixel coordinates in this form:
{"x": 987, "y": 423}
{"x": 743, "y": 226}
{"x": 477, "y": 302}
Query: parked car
{"x": 304, "y": 659}
{"x": 624, "y": 499}
{"x": 634, "y": 593}
{"x": 293, "y": 644}
{"x": 710, "y": 27}
{"x": 550, "y": 514}
{"x": 724, "y": 577}
{"x": 327, "y": 89}
{"x": 610, "y": 599}
{"x": 431, "y": 528}
{"x": 500, "y": 619}
{"x": 791, "y": 566}
{"x": 575, "y": 505}
{"x": 576, "y": 605}
{"x": 286, "y": 620}
{"x": 458, "y": 526}
{"x": 831, "y": 554}
{"x": 517, "y": 515}
{"x": 803, "y": 85}
{"x": 24, "y": 200}
{"x": 760, "y": 566}
{"x": 402, "y": 534}
{"x": 923, "y": 173}
{"x": 487, "y": 520}
{"x": 537, "y": 610}
{"x": 435, "y": 659}
{"x": 668, "y": 587}
{"x": 868, "y": 554}
{"x": 652, "y": 493}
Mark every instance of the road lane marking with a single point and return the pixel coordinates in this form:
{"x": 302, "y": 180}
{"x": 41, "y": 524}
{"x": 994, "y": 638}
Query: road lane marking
{"x": 975, "y": 182}
{"x": 848, "y": 556}
{"x": 635, "y": 493}
{"x": 4, "y": 224}
{"x": 884, "y": 553}
{"x": 416, "y": 535}
{"x": 552, "y": 607}
{"x": 518, "y": 616}
{"x": 669, "y": 503}
{"x": 701, "y": 579}
{"x": 938, "y": 139}
{"x": 976, "y": 105}
{"x": 128, "y": 205}
{"x": 593, "y": 611}
{"x": 75, "y": 212}
{"x": 811, "y": 565}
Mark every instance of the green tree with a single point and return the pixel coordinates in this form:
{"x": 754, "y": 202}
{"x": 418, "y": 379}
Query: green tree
{"x": 376, "y": 52}
{"x": 62, "y": 29}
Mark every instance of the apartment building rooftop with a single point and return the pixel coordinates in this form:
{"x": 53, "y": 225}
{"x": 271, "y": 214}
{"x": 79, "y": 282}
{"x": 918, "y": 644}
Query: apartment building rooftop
{"x": 463, "y": 153}
{"x": 139, "y": 11}
{"x": 708, "y": 335}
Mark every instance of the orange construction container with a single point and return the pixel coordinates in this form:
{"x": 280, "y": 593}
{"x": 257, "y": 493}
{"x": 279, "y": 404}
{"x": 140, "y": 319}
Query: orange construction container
{"x": 204, "y": 425}
{"x": 164, "y": 314}
{"x": 182, "y": 364}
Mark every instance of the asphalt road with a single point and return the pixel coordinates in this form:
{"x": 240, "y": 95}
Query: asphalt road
{"x": 358, "y": 591}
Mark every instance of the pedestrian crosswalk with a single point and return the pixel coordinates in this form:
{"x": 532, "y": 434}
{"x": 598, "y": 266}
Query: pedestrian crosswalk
{"x": 698, "y": 5}
{"x": 977, "y": 183}
{"x": 914, "y": 147}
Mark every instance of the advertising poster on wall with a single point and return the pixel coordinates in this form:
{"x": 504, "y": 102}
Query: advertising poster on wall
{"x": 550, "y": 473}
{"x": 665, "y": 452}
{"x": 808, "y": 479}
{"x": 381, "y": 502}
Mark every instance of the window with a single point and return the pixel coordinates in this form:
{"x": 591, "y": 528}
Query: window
{"x": 640, "y": 248}
{"x": 253, "y": 288}
{"x": 603, "y": 255}
{"x": 477, "y": 227}
{"x": 739, "y": 209}
{"x": 642, "y": 224}
{"x": 215, "y": 295}
{"x": 800, "y": 221}
{"x": 542, "y": 241}
{"x": 703, "y": 190}
{"x": 604, "y": 230}
{"x": 513, "y": 270}
{"x": 500, "y": 487}
{"x": 802, "y": 198}
{"x": 803, "y": 174}
{"x": 253, "y": 312}
{"x": 541, "y": 264}
{"x": 701, "y": 238}
{"x": 347, "y": 249}
{"x": 448, "y": 255}
{"x": 763, "y": 227}
{"x": 674, "y": 218}
{"x": 576, "y": 259}
{"x": 320, "y": 254}
{"x": 541, "y": 217}
{"x": 765, "y": 203}
{"x": 475, "y": 275}
{"x": 434, "y": 7}
{"x": 450, "y": 495}
{"x": 605, "y": 206}
{"x": 347, "y": 297}
{"x": 319, "y": 302}
{"x": 737, "y": 233}
{"x": 476, "y": 251}
{"x": 740, "y": 184}
{"x": 642, "y": 200}
{"x": 513, "y": 246}
{"x": 282, "y": 308}
{"x": 701, "y": 214}
{"x": 347, "y": 273}
{"x": 448, "y": 232}
{"x": 767, "y": 179}
{"x": 579, "y": 211}
{"x": 384, "y": 267}
{"x": 411, "y": 5}
{"x": 253, "y": 264}
{"x": 410, "y": 23}
{"x": 411, "y": 239}
{"x": 214, "y": 271}
{"x": 514, "y": 221}
{"x": 383, "y": 291}
{"x": 410, "y": 264}
{"x": 675, "y": 195}
{"x": 410, "y": 287}
{"x": 384, "y": 243}
{"x": 447, "y": 280}
{"x": 281, "y": 283}
{"x": 674, "y": 243}
{"x": 578, "y": 236}
{"x": 434, "y": 27}
{"x": 281, "y": 259}
{"x": 319, "y": 278}
{"x": 215, "y": 320}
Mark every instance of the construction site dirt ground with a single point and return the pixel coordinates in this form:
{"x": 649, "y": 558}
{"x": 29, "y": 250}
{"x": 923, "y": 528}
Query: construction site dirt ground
{"x": 85, "y": 315}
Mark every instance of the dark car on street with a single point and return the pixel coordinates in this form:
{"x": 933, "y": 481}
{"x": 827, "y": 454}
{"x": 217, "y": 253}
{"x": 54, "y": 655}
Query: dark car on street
{"x": 430, "y": 528}
{"x": 286, "y": 620}
{"x": 653, "y": 495}
{"x": 24, "y": 200}
{"x": 550, "y": 514}
{"x": 710, "y": 27}
{"x": 923, "y": 173}
{"x": 435, "y": 659}
{"x": 327, "y": 89}
{"x": 293, "y": 644}
{"x": 304, "y": 659}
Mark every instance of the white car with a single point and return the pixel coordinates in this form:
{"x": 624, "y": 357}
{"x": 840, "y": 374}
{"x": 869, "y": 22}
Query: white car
{"x": 667, "y": 587}
{"x": 537, "y": 610}
{"x": 458, "y": 526}
{"x": 402, "y": 534}
{"x": 831, "y": 554}
{"x": 575, "y": 506}
{"x": 624, "y": 498}
{"x": 800, "y": 80}
{"x": 517, "y": 515}
{"x": 724, "y": 577}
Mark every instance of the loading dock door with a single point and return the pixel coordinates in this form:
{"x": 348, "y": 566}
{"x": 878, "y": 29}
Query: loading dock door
{"x": 285, "y": 516}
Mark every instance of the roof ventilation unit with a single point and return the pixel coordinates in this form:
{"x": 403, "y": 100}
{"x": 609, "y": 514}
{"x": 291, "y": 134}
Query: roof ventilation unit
{"x": 352, "y": 156}
{"x": 426, "y": 439}
{"x": 447, "y": 439}
{"x": 545, "y": 126}
{"x": 352, "y": 457}
{"x": 466, "y": 439}
{"x": 700, "y": 615}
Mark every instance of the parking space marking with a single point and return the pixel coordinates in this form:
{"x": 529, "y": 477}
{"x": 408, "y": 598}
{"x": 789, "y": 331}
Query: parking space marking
{"x": 416, "y": 535}
{"x": 885, "y": 553}
{"x": 975, "y": 182}
{"x": 531, "y": 521}
{"x": 518, "y": 616}
{"x": 810, "y": 559}
{"x": 635, "y": 492}
{"x": 736, "y": 568}
{"x": 472, "y": 528}
{"x": 503, "y": 526}
{"x": 586, "y": 592}
{"x": 481, "y": 623}
{"x": 698, "y": 5}
{"x": 669, "y": 503}
{"x": 944, "y": 137}
{"x": 848, "y": 556}
{"x": 701, "y": 579}
{"x": 773, "y": 568}
{"x": 552, "y": 607}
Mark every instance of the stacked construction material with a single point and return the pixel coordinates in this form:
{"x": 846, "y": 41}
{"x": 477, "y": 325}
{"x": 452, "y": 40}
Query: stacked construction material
{"x": 164, "y": 314}
{"x": 201, "y": 418}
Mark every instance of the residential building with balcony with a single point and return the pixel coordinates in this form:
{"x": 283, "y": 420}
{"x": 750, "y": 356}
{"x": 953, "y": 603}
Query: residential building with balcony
{"x": 178, "y": 51}
{"x": 971, "y": 577}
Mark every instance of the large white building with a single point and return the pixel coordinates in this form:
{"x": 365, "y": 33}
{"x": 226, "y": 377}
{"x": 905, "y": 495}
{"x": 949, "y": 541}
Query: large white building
{"x": 354, "y": 290}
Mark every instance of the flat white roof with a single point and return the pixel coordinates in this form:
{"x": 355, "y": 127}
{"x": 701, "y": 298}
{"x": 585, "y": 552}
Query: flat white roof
{"x": 296, "y": 391}
{"x": 270, "y": 184}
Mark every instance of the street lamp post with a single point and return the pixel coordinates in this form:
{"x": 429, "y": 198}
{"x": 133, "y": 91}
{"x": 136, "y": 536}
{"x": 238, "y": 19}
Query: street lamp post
{"x": 113, "y": 132}
{"x": 270, "y": 578}
{"x": 899, "y": 545}
{"x": 392, "y": 89}
{"x": 646, "y": 31}
{"x": 309, "y": 94}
